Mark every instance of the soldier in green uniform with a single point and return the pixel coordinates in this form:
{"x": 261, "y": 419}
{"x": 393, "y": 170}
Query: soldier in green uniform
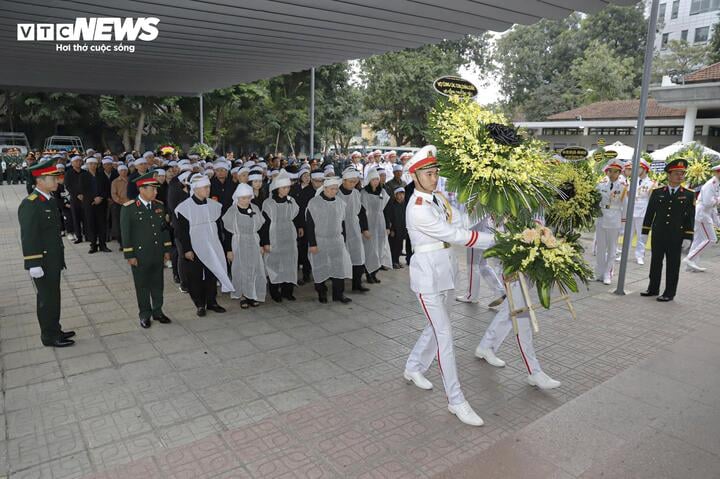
{"x": 670, "y": 216}
{"x": 43, "y": 251}
{"x": 146, "y": 245}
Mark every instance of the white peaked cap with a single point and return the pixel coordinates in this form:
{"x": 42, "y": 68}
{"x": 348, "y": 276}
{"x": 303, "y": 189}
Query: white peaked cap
{"x": 424, "y": 156}
{"x": 243, "y": 189}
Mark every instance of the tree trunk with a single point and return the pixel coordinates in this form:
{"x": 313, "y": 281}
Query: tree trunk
{"x": 290, "y": 142}
{"x": 126, "y": 139}
{"x": 277, "y": 141}
{"x": 139, "y": 130}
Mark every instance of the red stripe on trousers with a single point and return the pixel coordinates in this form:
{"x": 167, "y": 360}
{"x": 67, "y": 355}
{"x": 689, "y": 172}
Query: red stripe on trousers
{"x": 707, "y": 241}
{"x": 427, "y": 314}
{"x": 517, "y": 336}
{"x": 472, "y": 259}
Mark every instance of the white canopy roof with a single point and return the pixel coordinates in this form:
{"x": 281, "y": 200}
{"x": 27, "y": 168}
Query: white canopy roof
{"x": 624, "y": 152}
{"x": 663, "y": 153}
{"x": 203, "y": 45}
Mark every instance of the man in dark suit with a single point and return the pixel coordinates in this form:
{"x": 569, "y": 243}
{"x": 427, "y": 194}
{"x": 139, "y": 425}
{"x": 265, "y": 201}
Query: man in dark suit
{"x": 95, "y": 189}
{"x": 72, "y": 184}
{"x": 670, "y": 216}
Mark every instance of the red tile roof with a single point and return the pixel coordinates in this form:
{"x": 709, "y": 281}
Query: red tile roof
{"x": 618, "y": 109}
{"x": 705, "y": 75}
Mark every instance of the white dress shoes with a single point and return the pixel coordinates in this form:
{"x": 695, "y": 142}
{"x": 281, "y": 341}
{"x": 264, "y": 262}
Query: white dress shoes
{"x": 418, "y": 380}
{"x": 542, "y": 381}
{"x": 489, "y": 356}
{"x": 465, "y": 413}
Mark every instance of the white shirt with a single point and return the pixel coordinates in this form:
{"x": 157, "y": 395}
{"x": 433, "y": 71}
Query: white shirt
{"x": 431, "y": 223}
{"x": 707, "y": 202}
{"x": 46, "y": 195}
{"x": 642, "y": 196}
{"x": 613, "y": 202}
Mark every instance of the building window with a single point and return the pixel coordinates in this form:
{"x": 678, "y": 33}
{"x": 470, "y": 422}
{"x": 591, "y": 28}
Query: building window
{"x": 621, "y": 131}
{"x": 664, "y": 42}
{"x": 560, "y": 131}
{"x": 668, "y": 130}
{"x": 701, "y": 34}
{"x": 675, "y": 9}
{"x": 661, "y": 13}
{"x": 714, "y": 132}
{"x": 683, "y": 35}
{"x": 703, "y": 6}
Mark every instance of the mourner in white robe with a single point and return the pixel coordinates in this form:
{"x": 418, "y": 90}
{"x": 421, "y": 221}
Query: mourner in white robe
{"x": 377, "y": 248}
{"x": 243, "y": 223}
{"x": 356, "y": 225}
{"x": 279, "y": 238}
{"x": 324, "y": 219}
{"x": 202, "y": 250}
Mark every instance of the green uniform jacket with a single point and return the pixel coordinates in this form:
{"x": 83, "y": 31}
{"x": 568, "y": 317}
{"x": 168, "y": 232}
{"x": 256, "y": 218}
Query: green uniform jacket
{"x": 670, "y": 217}
{"x": 40, "y": 233}
{"x": 145, "y": 233}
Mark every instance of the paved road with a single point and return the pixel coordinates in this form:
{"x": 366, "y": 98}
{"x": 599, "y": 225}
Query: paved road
{"x": 290, "y": 390}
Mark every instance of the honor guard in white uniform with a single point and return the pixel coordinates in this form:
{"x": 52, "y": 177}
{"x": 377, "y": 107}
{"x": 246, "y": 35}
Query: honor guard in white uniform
{"x": 642, "y": 195}
{"x": 501, "y": 326}
{"x": 706, "y": 218}
{"x": 613, "y": 205}
{"x": 479, "y": 267}
{"x": 434, "y": 225}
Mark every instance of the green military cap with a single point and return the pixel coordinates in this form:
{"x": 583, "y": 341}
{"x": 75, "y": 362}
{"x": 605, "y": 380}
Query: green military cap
{"x": 44, "y": 167}
{"x": 676, "y": 164}
{"x": 148, "y": 179}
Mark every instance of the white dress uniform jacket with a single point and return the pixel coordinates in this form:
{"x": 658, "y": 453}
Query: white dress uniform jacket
{"x": 706, "y": 217}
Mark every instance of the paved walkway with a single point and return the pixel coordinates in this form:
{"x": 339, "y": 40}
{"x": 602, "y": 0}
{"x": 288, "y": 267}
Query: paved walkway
{"x": 290, "y": 390}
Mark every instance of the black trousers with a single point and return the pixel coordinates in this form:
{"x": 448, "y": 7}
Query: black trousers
{"x": 181, "y": 264}
{"x": 115, "y": 222}
{"x": 668, "y": 250}
{"x": 396, "y": 246}
{"x": 303, "y": 258}
{"x": 48, "y": 305}
{"x": 357, "y": 272}
{"x": 202, "y": 284}
{"x": 338, "y": 288}
{"x": 95, "y": 216}
{"x": 408, "y": 250}
{"x": 79, "y": 226}
{"x": 280, "y": 290}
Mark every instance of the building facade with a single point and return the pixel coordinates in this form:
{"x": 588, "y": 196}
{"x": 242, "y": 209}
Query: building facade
{"x": 689, "y": 20}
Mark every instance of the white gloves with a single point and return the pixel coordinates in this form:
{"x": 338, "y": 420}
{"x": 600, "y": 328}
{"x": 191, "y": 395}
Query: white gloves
{"x": 36, "y": 272}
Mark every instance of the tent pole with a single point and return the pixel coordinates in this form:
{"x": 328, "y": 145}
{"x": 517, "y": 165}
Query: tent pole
{"x": 312, "y": 112}
{"x": 640, "y": 131}
{"x": 202, "y": 127}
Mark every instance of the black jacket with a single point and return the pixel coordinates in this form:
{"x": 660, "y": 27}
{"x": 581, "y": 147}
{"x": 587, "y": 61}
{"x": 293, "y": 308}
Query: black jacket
{"x": 222, "y": 192}
{"x": 101, "y": 187}
{"x": 670, "y": 217}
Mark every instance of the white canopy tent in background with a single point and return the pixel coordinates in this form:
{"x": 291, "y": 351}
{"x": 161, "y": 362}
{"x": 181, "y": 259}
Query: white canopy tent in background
{"x": 623, "y": 151}
{"x": 663, "y": 153}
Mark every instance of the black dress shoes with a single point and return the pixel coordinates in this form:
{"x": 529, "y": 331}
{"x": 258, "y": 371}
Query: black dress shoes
{"x": 290, "y": 297}
{"x": 361, "y": 289}
{"x": 145, "y": 323}
{"x": 78, "y": 241}
{"x": 216, "y": 307}
{"x": 162, "y": 319}
{"x": 67, "y": 334}
{"x": 93, "y": 249}
{"x": 323, "y": 299}
{"x": 664, "y": 299}
{"x": 105, "y": 249}
{"x": 176, "y": 279}
{"x": 343, "y": 299}
{"x": 648, "y": 293}
{"x": 61, "y": 343}
{"x": 200, "y": 312}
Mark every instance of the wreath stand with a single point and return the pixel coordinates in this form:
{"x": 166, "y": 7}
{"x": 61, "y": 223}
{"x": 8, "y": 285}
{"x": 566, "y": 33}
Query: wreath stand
{"x": 530, "y": 308}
